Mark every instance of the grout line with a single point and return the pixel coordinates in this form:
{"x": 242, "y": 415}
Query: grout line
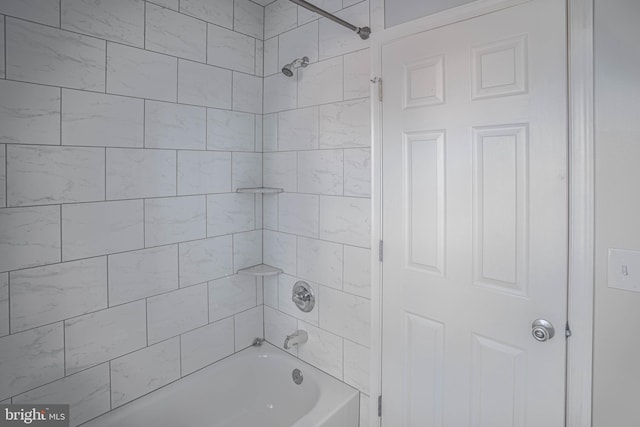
{"x": 64, "y": 348}
{"x": 9, "y": 302}
{"x": 110, "y": 386}
{"x": 146, "y": 319}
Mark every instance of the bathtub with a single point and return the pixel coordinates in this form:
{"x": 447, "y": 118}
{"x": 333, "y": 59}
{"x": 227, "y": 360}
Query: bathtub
{"x": 254, "y": 387}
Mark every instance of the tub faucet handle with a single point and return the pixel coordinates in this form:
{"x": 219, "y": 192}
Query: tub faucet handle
{"x": 298, "y": 337}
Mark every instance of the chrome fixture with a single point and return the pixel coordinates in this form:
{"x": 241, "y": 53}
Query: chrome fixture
{"x": 297, "y": 377}
{"x": 542, "y": 330}
{"x": 363, "y": 32}
{"x": 257, "y": 342}
{"x": 287, "y": 70}
{"x": 303, "y": 296}
{"x": 298, "y": 337}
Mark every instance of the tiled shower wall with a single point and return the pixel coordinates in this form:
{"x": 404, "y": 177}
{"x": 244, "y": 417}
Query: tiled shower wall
{"x": 125, "y": 127}
{"x": 317, "y": 147}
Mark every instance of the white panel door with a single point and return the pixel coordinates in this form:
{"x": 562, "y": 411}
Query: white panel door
{"x": 474, "y": 190}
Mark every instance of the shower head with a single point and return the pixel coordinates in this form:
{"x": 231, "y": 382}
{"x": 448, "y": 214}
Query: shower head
{"x": 287, "y": 70}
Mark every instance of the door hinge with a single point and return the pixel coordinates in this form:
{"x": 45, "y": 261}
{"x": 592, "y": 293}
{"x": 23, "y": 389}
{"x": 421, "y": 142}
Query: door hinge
{"x": 380, "y": 250}
{"x": 567, "y": 331}
{"x": 380, "y": 405}
{"x": 378, "y": 81}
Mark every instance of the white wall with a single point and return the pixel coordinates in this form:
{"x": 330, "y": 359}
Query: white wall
{"x": 617, "y": 312}
{"x": 400, "y": 11}
{"x": 124, "y": 129}
{"x": 317, "y": 147}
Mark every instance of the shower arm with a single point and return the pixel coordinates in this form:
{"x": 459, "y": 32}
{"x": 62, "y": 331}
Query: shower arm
{"x": 363, "y": 32}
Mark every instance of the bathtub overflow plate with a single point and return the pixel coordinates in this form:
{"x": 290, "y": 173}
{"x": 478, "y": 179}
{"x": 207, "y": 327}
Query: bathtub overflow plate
{"x": 297, "y": 376}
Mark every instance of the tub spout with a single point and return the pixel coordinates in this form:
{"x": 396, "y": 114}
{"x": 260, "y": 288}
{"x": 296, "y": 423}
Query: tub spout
{"x": 298, "y": 337}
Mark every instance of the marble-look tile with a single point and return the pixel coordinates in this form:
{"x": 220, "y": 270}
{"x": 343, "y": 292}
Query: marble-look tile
{"x": 286, "y": 305}
{"x": 175, "y": 219}
{"x": 345, "y": 314}
{"x": 30, "y": 359}
{"x": 40, "y": 54}
{"x": 232, "y": 50}
{"x": 140, "y": 73}
{"x": 43, "y": 11}
{"x": 271, "y": 57}
{"x": 247, "y": 93}
{"x": 136, "y": 173}
{"x": 247, "y": 170}
{"x": 298, "y": 129}
{"x": 176, "y": 312}
{"x": 204, "y": 260}
{"x": 346, "y": 220}
{"x": 337, "y": 40}
{"x": 219, "y": 12}
{"x": 29, "y": 237}
{"x": 356, "y": 366}
{"x": 230, "y": 130}
{"x": 29, "y": 114}
{"x": 97, "y": 337}
{"x": 4, "y": 304}
{"x": 249, "y": 325}
{"x": 171, "y": 4}
{"x": 277, "y": 326}
{"x": 247, "y": 249}
{"x": 323, "y": 350}
{"x": 175, "y": 34}
{"x": 297, "y": 43}
{"x": 2, "y": 66}
{"x": 357, "y": 271}
{"x": 204, "y": 85}
{"x": 87, "y": 394}
{"x": 231, "y": 295}
{"x": 320, "y": 262}
{"x": 298, "y": 214}
{"x": 279, "y": 16}
{"x": 144, "y": 371}
{"x": 345, "y": 125}
{"x": 169, "y": 125}
{"x": 141, "y": 274}
{"x": 280, "y": 170}
{"x": 101, "y": 120}
{"x": 119, "y": 21}
{"x": 203, "y": 172}
{"x": 258, "y": 133}
{"x": 270, "y": 133}
{"x": 259, "y": 68}
{"x": 248, "y": 18}
{"x": 280, "y": 250}
{"x": 357, "y": 70}
{"x": 270, "y": 213}
{"x": 41, "y": 175}
{"x": 357, "y": 172}
{"x": 270, "y": 291}
{"x": 321, "y": 172}
{"x": 206, "y": 345}
{"x": 280, "y": 93}
{"x": 230, "y": 213}
{"x": 52, "y": 293}
{"x": 331, "y": 6}
{"x": 92, "y": 229}
{"x": 320, "y": 83}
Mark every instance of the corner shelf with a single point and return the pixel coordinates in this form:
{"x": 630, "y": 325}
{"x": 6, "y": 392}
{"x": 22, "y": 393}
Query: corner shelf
{"x": 260, "y": 190}
{"x": 260, "y": 270}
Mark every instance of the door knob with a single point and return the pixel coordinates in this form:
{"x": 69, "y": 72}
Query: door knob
{"x": 542, "y": 330}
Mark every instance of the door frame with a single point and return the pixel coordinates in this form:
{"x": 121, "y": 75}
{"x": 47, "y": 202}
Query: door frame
{"x": 580, "y": 85}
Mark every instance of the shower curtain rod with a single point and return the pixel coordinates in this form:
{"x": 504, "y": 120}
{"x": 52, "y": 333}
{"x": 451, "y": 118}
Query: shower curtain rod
{"x": 363, "y": 32}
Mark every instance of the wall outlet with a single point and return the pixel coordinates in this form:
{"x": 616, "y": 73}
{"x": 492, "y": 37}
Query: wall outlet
{"x": 624, "y": 270}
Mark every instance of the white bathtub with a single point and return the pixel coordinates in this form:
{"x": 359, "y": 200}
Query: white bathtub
{"x": 251, "y": 388}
